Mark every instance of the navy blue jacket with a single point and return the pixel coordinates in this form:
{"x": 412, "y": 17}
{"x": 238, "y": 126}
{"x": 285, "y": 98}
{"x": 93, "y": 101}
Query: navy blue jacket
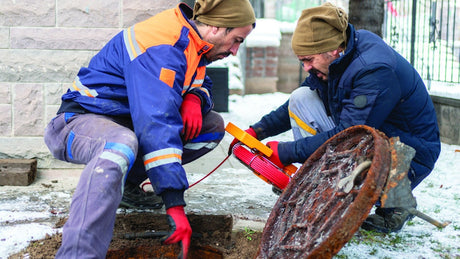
{"x": 396, "y": 101}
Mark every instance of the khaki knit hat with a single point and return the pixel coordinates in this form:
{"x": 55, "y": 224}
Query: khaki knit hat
{"x": 320, "y": 29}
{"x": 224, "y": 13}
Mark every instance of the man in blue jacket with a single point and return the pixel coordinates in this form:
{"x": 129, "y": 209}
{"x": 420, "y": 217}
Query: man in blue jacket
{"x": 142, "y": 108}
{"x": 354, "y": 79}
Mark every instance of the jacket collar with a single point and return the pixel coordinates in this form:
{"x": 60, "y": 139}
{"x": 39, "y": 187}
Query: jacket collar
{"x": 339, "y": 65}
{"x": 187, "y": 13}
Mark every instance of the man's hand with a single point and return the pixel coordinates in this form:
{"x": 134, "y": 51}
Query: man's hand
{"x": 190, "y": 111}
{"x": 275, "y": 158}
{"x": 182, "y": 231}
{"x": 250, "y": 131}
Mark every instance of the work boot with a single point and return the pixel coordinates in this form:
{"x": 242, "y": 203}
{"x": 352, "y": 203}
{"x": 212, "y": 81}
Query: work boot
{"x": 134, "y": 197}
{"x": 387, "y": 220}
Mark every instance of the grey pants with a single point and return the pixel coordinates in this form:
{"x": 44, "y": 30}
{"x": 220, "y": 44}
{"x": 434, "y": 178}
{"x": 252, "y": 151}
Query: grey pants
{"x": 108, "y": 147}
{"x": 308, "y": 117}
{"x": 307, "y": 114}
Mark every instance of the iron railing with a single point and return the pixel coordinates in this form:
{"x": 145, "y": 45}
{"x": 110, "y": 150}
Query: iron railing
{"x": 427, "y": 33}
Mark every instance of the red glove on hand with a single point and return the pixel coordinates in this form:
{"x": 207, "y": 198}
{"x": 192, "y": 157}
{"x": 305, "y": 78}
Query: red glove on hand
{"x": 190, "y": 111}
{"x": 182, "y": 232}
{"x": 275, "y": 158}
{"x": 250, "y": 131}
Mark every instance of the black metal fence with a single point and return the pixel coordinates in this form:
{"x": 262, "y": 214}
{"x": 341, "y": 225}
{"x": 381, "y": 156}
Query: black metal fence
{"x": 427, "y": 33}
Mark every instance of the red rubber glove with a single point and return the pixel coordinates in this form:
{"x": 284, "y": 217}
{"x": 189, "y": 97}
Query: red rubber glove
{"x": 275, "y": 158}
{"x": 190, "y": 111}
{"x": 250, "y": 131}
{"x": 182, "y": 232}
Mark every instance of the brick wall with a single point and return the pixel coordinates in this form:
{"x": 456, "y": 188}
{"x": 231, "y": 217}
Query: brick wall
{"x": 273, "y": 68}
{"x": 290, "y": 74}
{"x": 261, "y": 69}
{"x": 42, "y": 46}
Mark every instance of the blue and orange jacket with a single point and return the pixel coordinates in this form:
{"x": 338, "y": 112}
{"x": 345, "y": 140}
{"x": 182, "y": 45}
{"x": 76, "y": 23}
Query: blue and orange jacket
{"x": 143, "y": 73}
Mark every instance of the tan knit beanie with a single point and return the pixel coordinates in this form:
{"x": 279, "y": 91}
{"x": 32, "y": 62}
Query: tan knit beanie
{"x": 224, "y": 13}
{"x": 320, "y": 29}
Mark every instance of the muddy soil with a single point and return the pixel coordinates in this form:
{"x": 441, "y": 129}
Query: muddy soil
{"x": 137, "y": 235}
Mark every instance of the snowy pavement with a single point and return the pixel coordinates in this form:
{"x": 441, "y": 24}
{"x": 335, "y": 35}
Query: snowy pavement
{"x": 30, "y": 212}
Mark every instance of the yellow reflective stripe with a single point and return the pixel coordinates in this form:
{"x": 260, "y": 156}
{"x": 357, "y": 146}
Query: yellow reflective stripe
{"x": 302, "y": 124}
{"x": 88, "y": 93}
{"x": 161, "y": 157}
{"x": 75, "y": 87}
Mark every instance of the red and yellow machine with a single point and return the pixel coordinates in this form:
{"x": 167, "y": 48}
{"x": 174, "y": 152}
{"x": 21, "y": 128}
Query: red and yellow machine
{"x": 254, "y": 154}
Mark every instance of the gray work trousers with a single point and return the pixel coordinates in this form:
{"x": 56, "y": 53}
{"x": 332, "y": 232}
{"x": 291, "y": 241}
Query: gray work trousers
{"x": 308, "y": 117}
{"x": 108, "y": 146}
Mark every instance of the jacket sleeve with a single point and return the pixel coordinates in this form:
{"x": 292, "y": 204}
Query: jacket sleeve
{"x": 274, "y": 123}
{"x": 154, "y": 85}
{"x": 205, "y": 94}
{"x": 374, "y": 94}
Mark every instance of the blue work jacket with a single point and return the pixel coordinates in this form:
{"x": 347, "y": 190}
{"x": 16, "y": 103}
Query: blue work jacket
{"x": 370, "y": 84}
{"x": 143, "y": 73}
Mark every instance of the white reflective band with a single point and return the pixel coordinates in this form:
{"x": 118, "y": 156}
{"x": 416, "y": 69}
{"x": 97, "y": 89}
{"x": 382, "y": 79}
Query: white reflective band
{"x": 198, "y": 82}
{"x": 162, "y": 157}
{"x": 117, "y": 159}
{"x": 120, "y": 161}
{"x": 82, "y": 89}
{"x": 184, "y": 89}
{"x": 200, "y": 145}
{"x": 130, "y": 43}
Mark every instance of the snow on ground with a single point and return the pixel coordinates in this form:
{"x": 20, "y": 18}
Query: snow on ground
{"x": 234, "y": 189}
{"x": 437, "y": 196}
{"x": 26, "y": 216}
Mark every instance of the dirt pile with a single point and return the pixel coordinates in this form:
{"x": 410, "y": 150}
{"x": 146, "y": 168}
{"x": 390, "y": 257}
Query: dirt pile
{"x": 137, "y": 235}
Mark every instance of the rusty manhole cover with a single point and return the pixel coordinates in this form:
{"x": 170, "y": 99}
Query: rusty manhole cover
{"x": 320, "y": 209}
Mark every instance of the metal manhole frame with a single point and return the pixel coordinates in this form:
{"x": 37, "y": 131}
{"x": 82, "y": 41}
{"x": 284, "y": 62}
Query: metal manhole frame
{"x": 357, "y": 210}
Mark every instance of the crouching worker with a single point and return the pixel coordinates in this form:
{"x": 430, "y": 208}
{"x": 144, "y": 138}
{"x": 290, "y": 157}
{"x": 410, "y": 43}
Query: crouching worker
{"x": 355, "y": 78}
{"x": 142, "y": 108}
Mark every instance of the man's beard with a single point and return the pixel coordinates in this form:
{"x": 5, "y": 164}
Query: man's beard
{"x": 216, "y": 57}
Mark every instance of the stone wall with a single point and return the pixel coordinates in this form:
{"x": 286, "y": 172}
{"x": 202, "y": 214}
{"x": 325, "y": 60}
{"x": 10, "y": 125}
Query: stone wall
{"x": 448, "y": 113}
{"x": 42, "y": 46}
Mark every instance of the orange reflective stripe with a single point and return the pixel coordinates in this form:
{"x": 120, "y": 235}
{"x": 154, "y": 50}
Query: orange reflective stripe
{"x": 153, "y": 159}
{"x": 88, "y": 93}
{"x": 162, "y": 157}
{"x": 205, "y": 91}
{"x": 82, "y": 89}
{"x": 168, "y": 76}
{"x": 74, "y": 85}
